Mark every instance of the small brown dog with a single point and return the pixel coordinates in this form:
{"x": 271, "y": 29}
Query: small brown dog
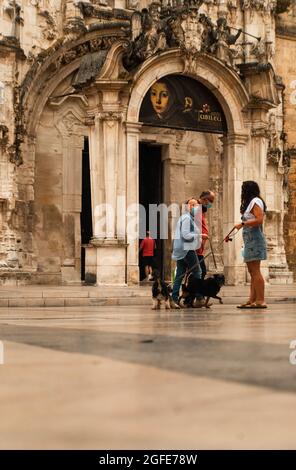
{"x": 160, "y": 292}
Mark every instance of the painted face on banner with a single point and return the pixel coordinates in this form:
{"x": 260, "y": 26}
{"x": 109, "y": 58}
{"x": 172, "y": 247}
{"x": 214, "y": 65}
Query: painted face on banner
{"x": 181, "y": 102}
{"x": 159, "y": 95}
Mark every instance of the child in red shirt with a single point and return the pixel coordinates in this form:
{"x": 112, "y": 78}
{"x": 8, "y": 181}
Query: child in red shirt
{"x": 147, "y": 248}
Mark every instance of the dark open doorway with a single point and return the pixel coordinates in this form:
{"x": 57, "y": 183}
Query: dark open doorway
{"x": 150, "y": 192}
{"x": 86, "y": 214}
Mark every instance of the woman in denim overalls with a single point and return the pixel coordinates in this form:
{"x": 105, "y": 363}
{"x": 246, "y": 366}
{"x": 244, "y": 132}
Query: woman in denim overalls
{"x": 253, "y": 209}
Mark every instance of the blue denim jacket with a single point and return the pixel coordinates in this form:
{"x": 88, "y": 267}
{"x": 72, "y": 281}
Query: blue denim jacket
{"x": 187, "y": 237}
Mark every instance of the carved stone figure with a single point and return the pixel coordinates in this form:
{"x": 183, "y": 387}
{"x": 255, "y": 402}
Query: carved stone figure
{"x": 147, "y": 36}
{"x": 159, "y": 27}
{"x": 274, "y": 140}
{"x": 223, "y": 39}
{"x": 259, "y": 5}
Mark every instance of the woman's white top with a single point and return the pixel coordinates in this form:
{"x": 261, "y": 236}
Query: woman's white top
{"x": 248, "y": 214}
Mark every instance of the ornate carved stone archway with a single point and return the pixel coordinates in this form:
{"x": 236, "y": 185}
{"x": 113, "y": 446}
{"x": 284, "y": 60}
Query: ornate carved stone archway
{"x": 112, "y": 112}
{"x": 234, "y": 98}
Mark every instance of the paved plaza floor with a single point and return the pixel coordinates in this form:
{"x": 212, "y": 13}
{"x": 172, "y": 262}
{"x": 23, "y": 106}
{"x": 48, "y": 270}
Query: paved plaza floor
{"x": 133, "y": 378}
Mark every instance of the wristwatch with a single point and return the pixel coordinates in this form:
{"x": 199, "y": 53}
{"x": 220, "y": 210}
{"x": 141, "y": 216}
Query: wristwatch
{"x": 243, "y": 223}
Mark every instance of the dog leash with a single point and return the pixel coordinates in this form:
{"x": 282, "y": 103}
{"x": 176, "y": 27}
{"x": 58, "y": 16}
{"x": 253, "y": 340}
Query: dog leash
{"x": 225, "y": 239}
{"x": 229, "y": 237}
{"x": 212, "y": 253}
{"x": 186, "y": 273}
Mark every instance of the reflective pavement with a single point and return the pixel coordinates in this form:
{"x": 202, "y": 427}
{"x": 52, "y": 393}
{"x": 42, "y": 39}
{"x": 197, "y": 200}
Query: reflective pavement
{"x": 130, "y": 377}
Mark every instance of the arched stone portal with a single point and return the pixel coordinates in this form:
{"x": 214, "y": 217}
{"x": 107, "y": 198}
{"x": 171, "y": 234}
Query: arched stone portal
{"x": 106, "y": 110}
{"x": 233, "y": 98}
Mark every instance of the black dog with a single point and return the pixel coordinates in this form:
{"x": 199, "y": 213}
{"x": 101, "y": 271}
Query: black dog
{"x": 206, "y": 287}
{"x": 160, "y": 291}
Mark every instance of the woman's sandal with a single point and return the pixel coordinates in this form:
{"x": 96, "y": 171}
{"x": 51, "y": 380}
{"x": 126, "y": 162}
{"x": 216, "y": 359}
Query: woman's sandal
{"x": 245, "y": 305}
{"x": 253, "y": 306}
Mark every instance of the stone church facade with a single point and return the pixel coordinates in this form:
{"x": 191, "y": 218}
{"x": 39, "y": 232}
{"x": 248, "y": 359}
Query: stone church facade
{"x": 73, "y": 76}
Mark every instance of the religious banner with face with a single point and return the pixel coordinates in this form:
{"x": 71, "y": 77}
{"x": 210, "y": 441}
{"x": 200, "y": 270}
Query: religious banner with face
{"x": 181, "y": 102}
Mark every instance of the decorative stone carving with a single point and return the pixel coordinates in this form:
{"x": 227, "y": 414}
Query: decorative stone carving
{"x": 50, "y": 31}
{"x": 232, "y": 7}
{"x": 147, "y": 36}
{"x": 274, "y": 156}
{"x": 15, "y": 149}
{"x": 274, "y": 139}
{"x": 263, "y": 51}
{"x": 74, "y": 28}
{"x": 3, "y": 136}
{"x": 95, "y": 11}
{"x": 261, "y": 131}
{"x": 259, "y": 5}
{"x": 160, "y": 27}
{"x": 223, "y": 40}
{"x": 71, "y": 124}
{"x": 133, "y": 4}
{"x": 110, "y": 116}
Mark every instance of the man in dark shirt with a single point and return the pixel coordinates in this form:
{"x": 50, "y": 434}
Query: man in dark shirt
{"x": 206, "y": 199}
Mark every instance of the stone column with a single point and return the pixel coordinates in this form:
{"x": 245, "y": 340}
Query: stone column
{"x": 234, "y": 157}
{"x": 106, "y": 254}
{"x": 259, "y": 158}
{"x": 132, "y": 201}
{"x": 97, "y": 180}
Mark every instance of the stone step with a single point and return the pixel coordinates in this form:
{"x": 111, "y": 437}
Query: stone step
{"x": 63, "y": 296}
{"x": 76, "y": 301}
{"x": 88, "y": 302}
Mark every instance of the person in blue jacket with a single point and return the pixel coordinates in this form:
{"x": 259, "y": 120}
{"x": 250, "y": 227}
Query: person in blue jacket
{"x": 187, "y": 240}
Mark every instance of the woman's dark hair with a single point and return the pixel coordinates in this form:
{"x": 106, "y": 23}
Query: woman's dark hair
{"x": 250, "y": 189}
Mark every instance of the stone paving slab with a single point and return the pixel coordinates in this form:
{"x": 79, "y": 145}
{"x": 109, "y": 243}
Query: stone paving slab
{"x": 132, "y": 378}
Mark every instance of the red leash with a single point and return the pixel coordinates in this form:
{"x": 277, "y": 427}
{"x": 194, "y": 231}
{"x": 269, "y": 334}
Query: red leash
{"x": 228, "y": 238}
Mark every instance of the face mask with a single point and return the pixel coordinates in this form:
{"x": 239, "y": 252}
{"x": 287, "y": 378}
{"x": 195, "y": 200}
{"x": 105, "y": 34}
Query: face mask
{"x": 194, "y": 211}
{"x": 209, "y": 205}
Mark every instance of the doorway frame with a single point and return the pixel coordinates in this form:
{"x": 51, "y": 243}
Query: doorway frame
{"x": 233, "y": 97}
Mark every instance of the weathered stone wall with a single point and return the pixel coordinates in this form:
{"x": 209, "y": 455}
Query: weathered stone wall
{"x": 285, "y": 60}
{"x": 40, "y": 159}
